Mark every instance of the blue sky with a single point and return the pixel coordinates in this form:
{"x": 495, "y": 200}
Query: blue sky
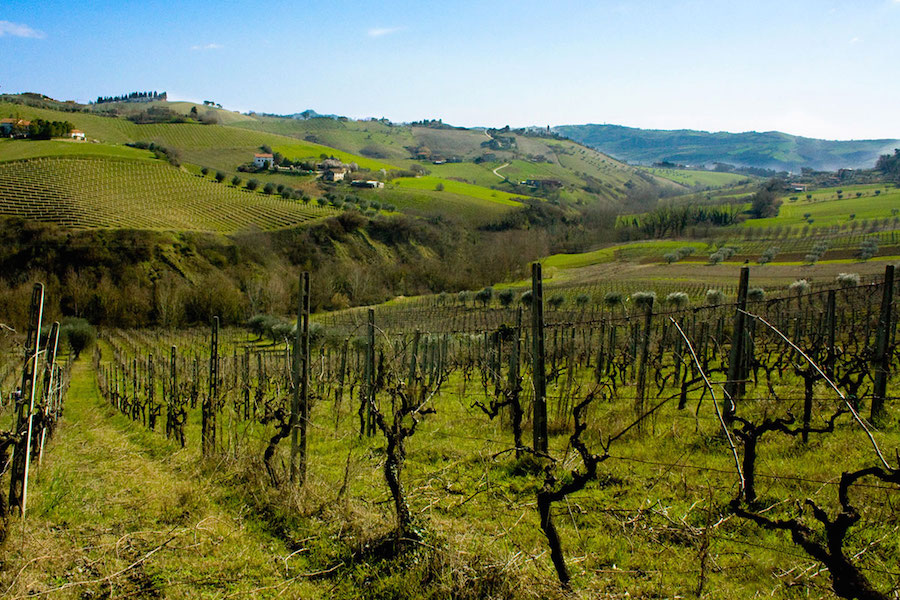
{"x": 819, "y": 68}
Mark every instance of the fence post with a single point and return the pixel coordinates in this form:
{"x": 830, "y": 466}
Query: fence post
{"x": 736, "y": 356}
{"x": 538, "y": 360}
{"x": 370, "y": 373}
{"x": 644, "y": 358}
{"x": 830, "y": 313}
{"x": 882, "y": 347}
{"x": 18, "y": 485}
{"x": 48, "y": 408}
{"x": 151, "y": 394}
{"x": 208, "y": 424}
{"x": 300, "y": 380}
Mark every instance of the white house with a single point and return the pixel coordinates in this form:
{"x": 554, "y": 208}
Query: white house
{"x": 77, "y": 134}
{"x": 263, "y": 160}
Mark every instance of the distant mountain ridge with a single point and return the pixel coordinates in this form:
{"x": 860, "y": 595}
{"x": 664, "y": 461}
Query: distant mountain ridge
{"x": 768, "y": 150}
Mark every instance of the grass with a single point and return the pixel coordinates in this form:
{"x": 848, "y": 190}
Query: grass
{"x": 659, "y": 505}
{"x": 117, "y": 511}
{"x": 457, "y": 187}
{"x": 826, "y": 210}
{"x": 697, "y": 178}
{"x": 138, "y": 194}
{"x": 445, "y": 204}
{"x": 19, "y": 149}
{"x": 617, "y": 252}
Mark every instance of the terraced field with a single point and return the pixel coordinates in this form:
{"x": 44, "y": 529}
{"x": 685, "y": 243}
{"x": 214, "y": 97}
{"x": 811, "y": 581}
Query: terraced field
{"x": 138, "y": 194}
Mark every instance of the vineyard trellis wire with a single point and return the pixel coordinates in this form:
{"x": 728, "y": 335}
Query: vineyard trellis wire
{"x": 484, "y": 358}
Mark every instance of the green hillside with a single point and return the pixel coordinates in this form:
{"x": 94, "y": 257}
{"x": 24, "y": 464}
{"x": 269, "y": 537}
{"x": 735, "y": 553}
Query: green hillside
{"x": 693, "y": 178}
{"x": 848, "y": 209}
{"x": 768, "y": 150}
{"x": 138, "y": 194}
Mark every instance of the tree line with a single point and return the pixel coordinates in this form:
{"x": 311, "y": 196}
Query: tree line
{"x": 133, "y": 97}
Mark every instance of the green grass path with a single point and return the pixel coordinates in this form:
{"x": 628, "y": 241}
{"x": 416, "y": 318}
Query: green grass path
{"x": 115, "y": 513}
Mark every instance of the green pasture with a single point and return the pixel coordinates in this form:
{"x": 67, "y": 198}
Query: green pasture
{"x": 427, "y": 202}
{"x": 371, "y": 139}
{"x": 826, "y": 210}
{"x": 637, "y": 250}
{"x": 697, "y": 178}
{"x": 430, "y": 182}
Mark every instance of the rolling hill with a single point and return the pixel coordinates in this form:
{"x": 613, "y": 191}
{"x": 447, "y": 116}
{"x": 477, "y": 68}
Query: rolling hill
{"x": 769, "y": 150}
{"x": 94, "y": 192}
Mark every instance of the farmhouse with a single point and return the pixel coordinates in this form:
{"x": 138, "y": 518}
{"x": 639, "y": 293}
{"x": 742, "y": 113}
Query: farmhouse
{"x": 14, "y": 127}
{"x": 77, "y": 134}
{"x": 333, "y": 175}
{"x": 547, "y": 184}
{"x": 263, "y": 160}
{"x": 367, "y": 184}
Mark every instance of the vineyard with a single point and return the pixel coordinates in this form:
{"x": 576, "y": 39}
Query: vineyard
{"x": 138, "y": 194}
{"x": 521, "y": 452}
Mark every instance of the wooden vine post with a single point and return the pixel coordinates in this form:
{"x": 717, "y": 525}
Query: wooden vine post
{"x": 538, "y": 360}
{"x": 18, "y": 485}
{"x": 370, "y": 373}
{"x": 300, "y": 382}
{"x": 735, "y": 358}
{"x": 48, "y": 409}
{"x": 882, "y": 347}
{"x": 644, "y": 358}
{"x": 208, "y": 422}
{"x": 830, "y": 317}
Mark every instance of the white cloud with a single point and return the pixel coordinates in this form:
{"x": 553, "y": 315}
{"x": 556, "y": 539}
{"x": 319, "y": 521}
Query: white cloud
{"x": 382, "y": 31}
{"x": 19, "y": 30}
{"x": 207, "y": 47}
{"x": 856, "y": 39}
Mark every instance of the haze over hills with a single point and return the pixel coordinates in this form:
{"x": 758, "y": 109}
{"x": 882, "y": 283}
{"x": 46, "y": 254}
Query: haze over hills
{"x": 768, "y": 150}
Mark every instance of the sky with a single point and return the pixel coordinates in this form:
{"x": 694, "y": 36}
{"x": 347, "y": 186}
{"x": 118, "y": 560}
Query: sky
{"x": 818, "y": 68}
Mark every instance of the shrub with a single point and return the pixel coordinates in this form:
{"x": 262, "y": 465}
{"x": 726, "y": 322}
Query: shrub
{"x": 799, "y": 287}
{"x": 506, "y": 297}
{"x": 525, "y": 298}
{"x": 847, "y": 280}
{"x": 756, "y": 294}
{"x": 485, "y": 295}
{"x": 78, "y": 334}
{"x": 868, "y": 249}
{"x": 252, "y": 184}
{"x": 715, "y": 297}
{"x": 613, "y": 299}
{"x": 644, "y": 300}
{"x": 678, "y": 299}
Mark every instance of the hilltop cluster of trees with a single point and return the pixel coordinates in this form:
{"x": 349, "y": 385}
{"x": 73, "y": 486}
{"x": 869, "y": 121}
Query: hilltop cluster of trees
{"x": 133, "y": 97}
{"x": 889, "y": 165}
